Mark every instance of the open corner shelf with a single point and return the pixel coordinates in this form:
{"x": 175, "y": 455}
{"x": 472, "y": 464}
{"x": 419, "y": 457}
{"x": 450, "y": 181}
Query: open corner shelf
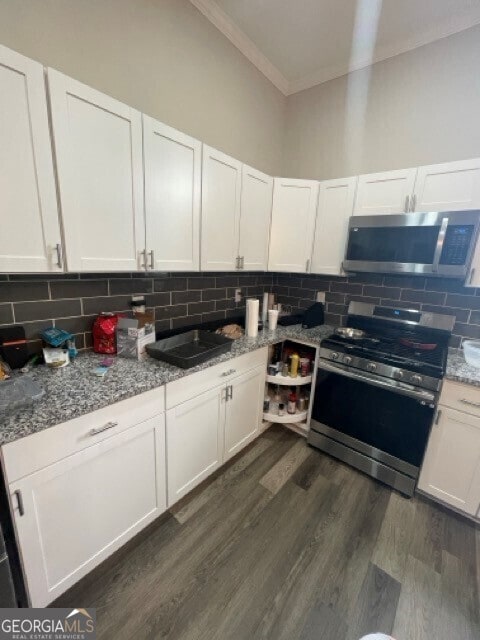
{"x": 288, "y": 381}
{"x": 288, "y": 418}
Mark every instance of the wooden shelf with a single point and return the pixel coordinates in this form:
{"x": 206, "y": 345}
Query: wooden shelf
{"x": 287, "y": 381}
{"x": 300, "y": 416}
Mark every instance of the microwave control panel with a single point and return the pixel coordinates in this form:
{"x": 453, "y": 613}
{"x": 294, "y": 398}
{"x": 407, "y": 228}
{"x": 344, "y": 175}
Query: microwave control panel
{"x": 456, "y": 245}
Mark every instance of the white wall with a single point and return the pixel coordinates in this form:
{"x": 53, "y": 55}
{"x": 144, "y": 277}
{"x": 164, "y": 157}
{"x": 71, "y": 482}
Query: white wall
{"x": 420, "y": 107}
{"x": 162, "y": 57}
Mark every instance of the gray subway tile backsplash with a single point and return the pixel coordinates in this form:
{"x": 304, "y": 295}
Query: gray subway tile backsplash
{"x": 72, "y": 301}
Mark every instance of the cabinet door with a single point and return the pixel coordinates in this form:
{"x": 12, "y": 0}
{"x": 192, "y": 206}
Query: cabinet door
{"x": 452, "y": 186}
{"x": 255, "y": 214}
{"x": 194, "y": 441}
{"x": 30, "y": 232}
{"x": 386, "y": 192}
{"x": 244, "y": 410}
{"x": 293, "y": 223}
{"x": 173, "y": 172}
{"x": 450, "y": 470}
{"x": 221, "y": 184}
{"x": 79, "y": 510}
{"x": 98, "y": 144}
{"x": 335, "y": 205}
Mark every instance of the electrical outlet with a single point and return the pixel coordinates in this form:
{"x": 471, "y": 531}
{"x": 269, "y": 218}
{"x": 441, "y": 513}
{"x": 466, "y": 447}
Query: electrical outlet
{"x": 238, "y": 295}
{"x": 321, "y": 296}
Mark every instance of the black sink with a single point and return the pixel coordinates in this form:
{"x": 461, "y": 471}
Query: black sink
{"x": 188, "y": 349}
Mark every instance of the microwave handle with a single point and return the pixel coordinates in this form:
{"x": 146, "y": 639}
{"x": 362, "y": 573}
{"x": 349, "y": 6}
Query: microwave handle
{"x": 440, "y": 241}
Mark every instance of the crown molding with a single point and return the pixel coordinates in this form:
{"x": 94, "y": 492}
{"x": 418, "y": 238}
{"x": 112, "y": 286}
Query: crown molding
{"x": 440, "y": 31}
{"x": 239, "y": 39}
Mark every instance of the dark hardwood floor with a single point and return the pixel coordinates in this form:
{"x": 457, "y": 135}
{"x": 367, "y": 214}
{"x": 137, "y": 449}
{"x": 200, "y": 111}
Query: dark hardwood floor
{"x": 286, "y": 543}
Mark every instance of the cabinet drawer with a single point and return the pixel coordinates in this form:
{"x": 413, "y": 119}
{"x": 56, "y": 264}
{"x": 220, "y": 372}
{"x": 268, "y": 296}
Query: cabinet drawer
{"x": 39, "y": 450}
{"x": 460, "y": 396}
{"x": 192, "y": 385}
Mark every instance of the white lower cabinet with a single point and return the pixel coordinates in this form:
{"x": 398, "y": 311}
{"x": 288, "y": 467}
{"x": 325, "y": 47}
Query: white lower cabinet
{"x": 451, "y": 468}
{"x": 194, "y": 448}
{"x": 206, "y": 430}
{"x": 243, "y": 410}
{"x": 74, "y": 513}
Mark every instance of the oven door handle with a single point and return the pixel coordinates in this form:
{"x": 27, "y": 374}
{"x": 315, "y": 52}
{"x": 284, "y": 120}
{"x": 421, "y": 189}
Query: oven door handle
{"x": 422, "y": 396}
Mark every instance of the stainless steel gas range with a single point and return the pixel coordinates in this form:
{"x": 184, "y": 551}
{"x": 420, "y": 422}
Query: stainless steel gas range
{"x": 376, "y": 393}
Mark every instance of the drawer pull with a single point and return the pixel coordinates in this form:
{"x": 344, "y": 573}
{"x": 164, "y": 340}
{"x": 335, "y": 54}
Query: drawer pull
{"x": 106, "y": 427}
{"x": 470, "y": 403}
{"x": 18, "y": 496}
{"x": 228, "y": 373}
{"x": 438, "y": 416}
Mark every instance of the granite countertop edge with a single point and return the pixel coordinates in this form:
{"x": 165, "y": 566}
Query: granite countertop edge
{"x": 75, "y": 390}
{"x": 458, "y": 370}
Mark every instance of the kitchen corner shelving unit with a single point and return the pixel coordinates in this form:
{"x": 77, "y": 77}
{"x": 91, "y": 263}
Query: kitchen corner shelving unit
{"x": 280, "y": 385}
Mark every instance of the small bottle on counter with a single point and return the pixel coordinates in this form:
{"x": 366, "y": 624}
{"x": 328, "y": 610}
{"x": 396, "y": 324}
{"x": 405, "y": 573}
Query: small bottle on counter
{"x": 281, "y": 409}
{"x": 301, "y": 403}
{"x": 292, "y": 402}
{"x": 285, "y": 369}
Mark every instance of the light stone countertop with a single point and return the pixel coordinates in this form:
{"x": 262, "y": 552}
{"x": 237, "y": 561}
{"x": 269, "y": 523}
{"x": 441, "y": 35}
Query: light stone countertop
{"x": 75, "y": 390}
{"x": 459, "y": 371}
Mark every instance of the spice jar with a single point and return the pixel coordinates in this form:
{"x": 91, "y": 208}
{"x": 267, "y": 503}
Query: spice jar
{"x": 281, "y": 409}
{"x": 292, "y": 402}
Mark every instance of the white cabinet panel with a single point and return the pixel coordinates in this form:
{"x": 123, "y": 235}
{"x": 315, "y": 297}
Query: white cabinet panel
{"x": 451, "y": 468}
{"x": 383, "y": 193}
{"x": 255, "y": 214}
{"x": 98, "y": 143}
{"x": 82, "y": 508}
{"x": 30, "y": 229}
{"x": 221, "y": 185}
{"x": 451, "y": 186}
{"x": 194, "y": 441}
{"x": 335, "y": 205}
{"x": 293, "y": 223}
{"x": 244, "y": 410}
{"x": 173, "y": 173}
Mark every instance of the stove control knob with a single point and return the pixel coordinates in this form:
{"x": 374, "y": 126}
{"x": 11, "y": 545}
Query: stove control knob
{"x": 398, "y": 374}
{"x": 347, "y": 360}
{"x": 371, "y": 366}
{"x": 334, "y": 356}
{"x": 416, "y": 379}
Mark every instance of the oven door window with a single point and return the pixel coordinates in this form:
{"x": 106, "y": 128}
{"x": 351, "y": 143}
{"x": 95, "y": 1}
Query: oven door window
{"x": 410, "y": 245}
{"x": 383, "y": 419}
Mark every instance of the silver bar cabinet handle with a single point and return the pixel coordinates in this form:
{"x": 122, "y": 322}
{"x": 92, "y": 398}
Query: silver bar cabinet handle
{"x": 152, "y": 260}
{"x": 229, "y": 392}
{"x": 142, "y": 255}
{"x": 243, "y": 262}
{"x": 58, "y": 249}
{"x": 106, "y": 427}
{"x": 307, "y": 266}
{"x": 414, "y": 202}
{"x": 438, "y": 416}
{"x": 18, "y": 496}
{"x": 407, "y": 201}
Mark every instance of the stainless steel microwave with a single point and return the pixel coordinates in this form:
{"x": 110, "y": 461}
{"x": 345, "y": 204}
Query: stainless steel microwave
{"x": 435, "y": 244}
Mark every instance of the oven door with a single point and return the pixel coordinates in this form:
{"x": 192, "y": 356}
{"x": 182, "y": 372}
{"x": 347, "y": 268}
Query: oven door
{"x": 384, "y": 420}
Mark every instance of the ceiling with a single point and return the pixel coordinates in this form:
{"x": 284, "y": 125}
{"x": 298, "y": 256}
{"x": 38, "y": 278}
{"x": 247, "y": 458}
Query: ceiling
{"x": 300, "y": 43}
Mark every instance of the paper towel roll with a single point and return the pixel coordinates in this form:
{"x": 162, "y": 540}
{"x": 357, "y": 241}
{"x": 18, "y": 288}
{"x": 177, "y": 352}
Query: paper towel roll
{"x": 251, "y": 318}
{"x": 264, "y": 308}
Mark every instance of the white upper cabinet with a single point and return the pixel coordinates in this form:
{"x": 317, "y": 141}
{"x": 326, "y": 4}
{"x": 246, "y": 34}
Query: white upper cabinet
{"x": 383, "y": 193}
{"x": 335, "y": 205}
{"x": 256, "y": 211}
{"x": 98, "y": 144}
{"x": 473, "y": 279}
{"x": 452, "y": 186}
{"x": 30, "y": 230}
{"x": 173, "y": 174}
{"x": 221, "y": 185}
{"x": 293, "y": 223}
